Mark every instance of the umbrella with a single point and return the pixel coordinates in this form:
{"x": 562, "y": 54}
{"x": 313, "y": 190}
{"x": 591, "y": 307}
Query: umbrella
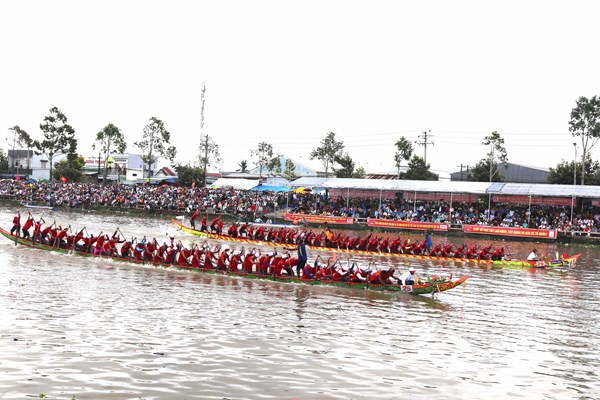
{"x": 302, "y": 190}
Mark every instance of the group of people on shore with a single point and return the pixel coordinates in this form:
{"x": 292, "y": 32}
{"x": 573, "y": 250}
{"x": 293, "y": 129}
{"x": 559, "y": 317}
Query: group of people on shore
{"x": 206, "y": 256}
{"x": 246, "y": 204}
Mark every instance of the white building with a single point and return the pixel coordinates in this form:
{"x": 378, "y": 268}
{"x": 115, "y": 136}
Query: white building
{"x": 27, "y": 164}
{"x": 125, "y": 168}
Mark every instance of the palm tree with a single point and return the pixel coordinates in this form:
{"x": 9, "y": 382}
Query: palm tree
{"x": 243, "y": 166}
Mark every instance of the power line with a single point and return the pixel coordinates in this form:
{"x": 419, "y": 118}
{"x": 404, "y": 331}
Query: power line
{"x": 424, "y": 142}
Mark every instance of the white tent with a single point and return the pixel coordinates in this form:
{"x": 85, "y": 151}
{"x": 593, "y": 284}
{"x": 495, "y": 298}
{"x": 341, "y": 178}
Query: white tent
{"x": 243, "y": 184}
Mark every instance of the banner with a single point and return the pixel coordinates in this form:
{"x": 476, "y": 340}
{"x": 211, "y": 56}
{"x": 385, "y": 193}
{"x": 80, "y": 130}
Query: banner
{"x": 390, "y": 223}
{"x": 548, "y": 201}
{"x": 504, "y": 231}
{"x": 318, "y": 219}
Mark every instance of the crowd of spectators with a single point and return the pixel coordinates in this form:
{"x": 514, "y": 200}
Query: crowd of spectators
{"x": 248, "y": 204}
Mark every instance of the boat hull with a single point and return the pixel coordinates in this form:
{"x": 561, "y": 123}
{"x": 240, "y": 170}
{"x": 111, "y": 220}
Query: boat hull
{"x": 513, "y": 264}
{"x": 425, "y": 288}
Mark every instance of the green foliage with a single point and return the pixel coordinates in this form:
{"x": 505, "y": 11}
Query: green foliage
{"x": 209, "y": 156}
{"x": 360, "y": 173}
{"x": 109, "y": 139}
{"x": 274, "y": 166}
{"x": 59, "y": 137}
{"x": 585, "y": 124}
{"x": 493, "y": 160}
{"x": 327, "y": 152}
{"x": 154, "y": 143}
{"x": 419, "y": 171}
{"x": 290, "y": 170}
{"x": 187, "y": 174}
{"x": 3, "y": 161}
{"x": 346, "y": 163}
{"x": 70, "y": 168}
{"x": 243, "y": 166}
{"x": 563, "y": 173}
{"x": 404, "y": 152}
{"x": 264, "y": 154}
{"x": 481, "y": 172}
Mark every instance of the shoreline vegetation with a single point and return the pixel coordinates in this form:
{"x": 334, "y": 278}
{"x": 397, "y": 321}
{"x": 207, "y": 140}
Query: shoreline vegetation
{"x": 576, "y": 238}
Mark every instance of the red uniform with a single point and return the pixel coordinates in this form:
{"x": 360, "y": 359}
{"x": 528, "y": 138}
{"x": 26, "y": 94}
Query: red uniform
{"x": 249, "y": 261}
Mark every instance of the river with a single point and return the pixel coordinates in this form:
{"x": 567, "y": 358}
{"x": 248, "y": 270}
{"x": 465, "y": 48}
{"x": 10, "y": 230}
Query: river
{"x": 74, "y": 328}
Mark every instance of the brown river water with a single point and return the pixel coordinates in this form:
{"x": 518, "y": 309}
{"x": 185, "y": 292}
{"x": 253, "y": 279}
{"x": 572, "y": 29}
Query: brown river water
{"x": 75, "y": 328}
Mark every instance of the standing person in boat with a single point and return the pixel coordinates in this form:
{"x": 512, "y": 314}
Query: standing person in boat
{"x": 193, "y": 219}
{"x": 533, "y": 256}
{"x": 27, "y": 225}
{"x": 16, "y": 229}
{"x": 302, "y": 255}
{"x": 203, "y": 223}
{"x": 428, "y": 242}
{"x": 408, "y": 278}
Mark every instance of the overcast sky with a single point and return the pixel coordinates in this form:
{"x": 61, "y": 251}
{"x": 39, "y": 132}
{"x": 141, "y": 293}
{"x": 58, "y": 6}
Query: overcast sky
{"x": 289, "y": 72}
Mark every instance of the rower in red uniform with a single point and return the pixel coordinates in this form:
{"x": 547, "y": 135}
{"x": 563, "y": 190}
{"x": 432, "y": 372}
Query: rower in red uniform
{"x": 485, "y": 253}
{"x": 236, "y": 260}
{"x": 161, "y": 253}
{"x": 16, "y": 229}
{"x": 472, "y": 252}
{"x": 193, "y": 219}
{"x": 26, "y": 226}
{"x": 459, "y": 252}
{"x": 382, "y": 276}
{"x": 233, "y": 231}
{"x": 250, "y": 261}
{"x": 182, "y": 257}
{"x": 203, "y": 226}
{"x": 209, "y": 256}
{"x": 310, "y": 271}
{"x": 126, "y": 249}
{"x": 37, "y": 229}
{"x": 223, "y": 260}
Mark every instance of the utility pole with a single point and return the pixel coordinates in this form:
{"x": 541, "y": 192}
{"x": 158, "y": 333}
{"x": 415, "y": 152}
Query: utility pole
{"x": 424, "y": 142}
{"x": 462, "y": 177}
{"x": 202, "y": 100}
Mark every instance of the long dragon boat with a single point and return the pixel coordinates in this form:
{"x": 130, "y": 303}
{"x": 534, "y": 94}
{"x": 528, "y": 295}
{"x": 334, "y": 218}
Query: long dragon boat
{"x": 562, "y": 261}
{"x": 429, "y": 286}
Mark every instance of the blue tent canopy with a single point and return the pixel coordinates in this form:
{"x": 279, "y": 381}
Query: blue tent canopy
{"x": 262, "y": 188}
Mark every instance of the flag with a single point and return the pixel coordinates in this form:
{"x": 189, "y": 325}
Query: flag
{"x": 194, "y": 184}
{"x": 17, "y": 178}
{"x": 63, "y": 179}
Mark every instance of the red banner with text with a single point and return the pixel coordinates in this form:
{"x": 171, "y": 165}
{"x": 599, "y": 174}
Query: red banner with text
{"x": 549, "y": 201}
{"x": 390, "y": 223}
{"x": 504, "y": 231}
{"x": 318, "y": 219}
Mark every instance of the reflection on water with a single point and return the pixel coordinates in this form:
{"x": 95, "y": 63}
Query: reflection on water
{"x": 90, "y": 329}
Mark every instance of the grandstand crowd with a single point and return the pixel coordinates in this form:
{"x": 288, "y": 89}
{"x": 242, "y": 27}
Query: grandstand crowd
{"x": 247, "y": 204}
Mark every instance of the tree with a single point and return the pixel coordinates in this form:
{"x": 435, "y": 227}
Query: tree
{"x": 274, "y": 165}
{"x": 209, "y": 156}
{"x": 3, "y": 161}
{"x": 404, "y": 152}
{"x": 264, "y": 154}
{"x": 497, "y": 154}
{"x": 360, "y": 173}
{"x": 187, "y": 174}
{"x": 585, "y": 124}
{"x": 109, "y": 139}
{"x": 70, "y": 168}
{"x": 326, "y": 153}
{"x": 59, "y": 137}
{"x": 243, "y": 166}
{"x": 346, "y": 163}
{"x": 481, "y": 172}
{"x": 565, "y": 171}
{"x": 21, "y": 140}
{"x": 290, "y": 170}
{"x": 154, "y": 144}
{"x": 419, "y": 171}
